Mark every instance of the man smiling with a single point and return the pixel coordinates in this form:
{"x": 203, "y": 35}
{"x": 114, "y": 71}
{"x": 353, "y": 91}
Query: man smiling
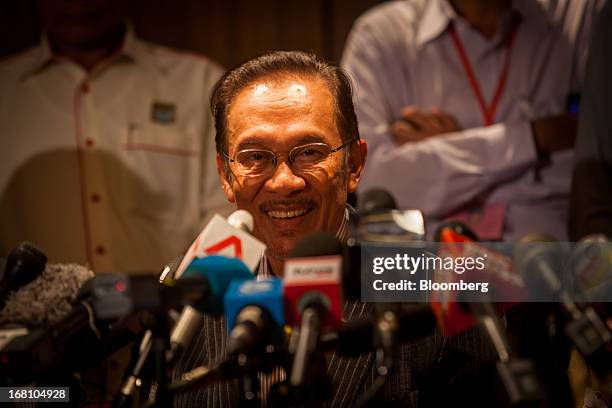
{"x": 288, "y": 149}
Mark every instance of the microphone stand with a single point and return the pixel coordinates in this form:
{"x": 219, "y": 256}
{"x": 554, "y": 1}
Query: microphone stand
{"x": 519, "y": 378}
{"x": 161, "y": 343}
{"x": 250, "y": 387}
{"x": 125, "y": 398}
{"x": 308, "y": 379}
{"x": 387, "y": 326}
{"x": 159, "y": 395}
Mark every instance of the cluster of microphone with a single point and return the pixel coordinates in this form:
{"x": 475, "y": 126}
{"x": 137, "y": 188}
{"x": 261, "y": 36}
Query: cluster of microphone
{"x": 290, "y": 322}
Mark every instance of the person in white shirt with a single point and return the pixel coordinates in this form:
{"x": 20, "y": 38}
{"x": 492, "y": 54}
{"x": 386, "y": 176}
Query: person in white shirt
{"x": 107, "y": 147}
{"x": 463, "y": 104}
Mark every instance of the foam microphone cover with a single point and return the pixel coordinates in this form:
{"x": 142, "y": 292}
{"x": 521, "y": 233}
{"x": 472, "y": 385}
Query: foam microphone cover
{"x": 24, "y": 264}
{"x": 219, "y": 271}
{"x": 318, "y": 244}
{"x": 47, "y": 299}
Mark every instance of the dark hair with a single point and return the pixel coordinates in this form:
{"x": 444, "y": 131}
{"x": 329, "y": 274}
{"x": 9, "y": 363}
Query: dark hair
{"x": 277, "y": 64}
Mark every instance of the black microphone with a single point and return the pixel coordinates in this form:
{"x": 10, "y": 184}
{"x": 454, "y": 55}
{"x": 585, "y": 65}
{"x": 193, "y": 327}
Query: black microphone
{"x": 102, "y": 319}
{"x": 520, "y": 382}
{"x": 375, "y": 200}
{"x": 313, "y": 294}
{"x": 24, "y": 264}
{"x": 539, "y": 259}
{"x": 360, "y": 336}
{"x": 379, "y": 220}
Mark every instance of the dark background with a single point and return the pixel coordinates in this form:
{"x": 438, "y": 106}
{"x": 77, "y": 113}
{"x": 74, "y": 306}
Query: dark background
{"x": 226, "y": 31}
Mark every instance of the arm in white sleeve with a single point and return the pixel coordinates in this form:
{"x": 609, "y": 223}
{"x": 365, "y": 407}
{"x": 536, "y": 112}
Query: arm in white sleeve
{"x": 442, "y": 173}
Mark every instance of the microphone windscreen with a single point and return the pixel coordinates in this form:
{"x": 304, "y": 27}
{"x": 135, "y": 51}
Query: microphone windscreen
{"x": 375, "y": 199}
{"x": 24, "y": 263}
{"x": 219, "y": 271}
{"x": 318, "y": 244}
{"x": 47, "y": 299}
{"x": 457, "y": 227}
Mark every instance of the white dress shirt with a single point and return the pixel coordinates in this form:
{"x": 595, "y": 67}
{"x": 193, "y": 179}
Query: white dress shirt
{"x": 401, "y": 53}
{"x": 114, "y": 167}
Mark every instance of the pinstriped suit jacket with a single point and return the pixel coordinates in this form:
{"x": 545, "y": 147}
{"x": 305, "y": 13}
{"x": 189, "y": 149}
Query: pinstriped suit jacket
{"x": 432, "y": 371}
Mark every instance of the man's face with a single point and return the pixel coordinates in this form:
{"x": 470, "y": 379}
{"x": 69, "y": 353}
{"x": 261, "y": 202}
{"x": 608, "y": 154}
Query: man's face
{"x": 278, "y": 114}
{"x": 83, "y": 24}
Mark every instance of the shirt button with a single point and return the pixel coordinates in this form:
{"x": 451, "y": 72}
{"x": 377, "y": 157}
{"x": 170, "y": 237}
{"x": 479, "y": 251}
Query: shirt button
{"x": 85, "y": 87}
{"x": 100, "y": 250}
{"x": 95, "y": 198}
{"x": 89, "y": 142}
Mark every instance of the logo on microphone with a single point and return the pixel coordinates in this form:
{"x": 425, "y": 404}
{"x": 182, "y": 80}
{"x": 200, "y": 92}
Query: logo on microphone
{"x": 228, "y": 242}
{"x": 253, "y": 287}
{"x": 320, "y": 269}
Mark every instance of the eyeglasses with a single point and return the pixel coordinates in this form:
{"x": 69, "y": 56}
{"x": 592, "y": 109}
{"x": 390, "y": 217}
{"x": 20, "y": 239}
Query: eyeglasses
{"x": 258, "y": 162}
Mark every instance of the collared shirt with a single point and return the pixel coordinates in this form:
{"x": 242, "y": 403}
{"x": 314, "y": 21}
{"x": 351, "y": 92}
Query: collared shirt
{"x": 114, "y": 167}
{"x": 401, "y": 53}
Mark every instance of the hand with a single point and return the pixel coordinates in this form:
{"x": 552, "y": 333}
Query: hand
{"x": 417, "y": 125}
{"x": 554, "y": 133}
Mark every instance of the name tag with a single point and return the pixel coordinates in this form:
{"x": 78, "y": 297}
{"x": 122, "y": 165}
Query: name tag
{"x": 163, "y": 112}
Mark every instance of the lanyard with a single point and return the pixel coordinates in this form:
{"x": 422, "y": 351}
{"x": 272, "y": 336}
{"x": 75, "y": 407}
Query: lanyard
{"x": 488, "y": 112}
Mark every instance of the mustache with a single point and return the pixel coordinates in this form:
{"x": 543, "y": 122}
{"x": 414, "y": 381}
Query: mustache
{"x": 303, "y": 202}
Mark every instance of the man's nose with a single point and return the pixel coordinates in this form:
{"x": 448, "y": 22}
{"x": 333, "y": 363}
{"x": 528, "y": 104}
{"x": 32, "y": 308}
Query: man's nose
{"x": 284, "y": 181}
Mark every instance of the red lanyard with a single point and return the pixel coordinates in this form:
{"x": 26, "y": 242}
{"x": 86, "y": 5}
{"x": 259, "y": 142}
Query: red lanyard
{"x": 488, "y": 112}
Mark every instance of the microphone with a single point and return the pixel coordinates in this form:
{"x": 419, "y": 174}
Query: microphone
{"x": 255, "y": 315}
{"x": 47, "y": 299}
{"x": 380, "y": 221}
{"x": 254, "y": 310}
{"x": 375, "y": 200}
{"x": 218, "y": 272}
{"x": 539, "y": 259}
{"x": 359, "y": 336}
{"x": 230, "y": 238}
{"x": 453, "y": 317}
{"x": 591, "y": 269}
{"x": 313, "y": 295}
{"x": 504, "y": 283}
{"x": 99, "y": 323}
{"x": 520, "y": 382}
{"x": 24, "y": 264}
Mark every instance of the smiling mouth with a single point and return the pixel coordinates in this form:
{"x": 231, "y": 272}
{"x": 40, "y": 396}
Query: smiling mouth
{"x": 282, "y": 215}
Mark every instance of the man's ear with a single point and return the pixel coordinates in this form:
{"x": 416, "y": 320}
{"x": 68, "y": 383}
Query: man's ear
{"x": 357, "y": 159}
{"x": 225, "y": 179}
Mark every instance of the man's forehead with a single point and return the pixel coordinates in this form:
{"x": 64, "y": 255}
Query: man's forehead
{"x": 283, "y": 89}
{"x": 281, "y": 101}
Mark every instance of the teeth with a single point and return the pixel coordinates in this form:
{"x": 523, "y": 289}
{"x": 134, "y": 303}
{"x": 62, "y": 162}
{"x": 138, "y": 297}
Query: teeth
{"x": 287, "y": 214}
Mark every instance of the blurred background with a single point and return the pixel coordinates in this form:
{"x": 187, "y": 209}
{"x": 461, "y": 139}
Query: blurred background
{"x": 229, "y": 32}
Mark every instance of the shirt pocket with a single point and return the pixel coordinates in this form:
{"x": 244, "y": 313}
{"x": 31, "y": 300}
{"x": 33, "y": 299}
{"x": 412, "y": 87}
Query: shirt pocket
{"x": 161, "y": 177}
{"x": 163, "y": 139}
